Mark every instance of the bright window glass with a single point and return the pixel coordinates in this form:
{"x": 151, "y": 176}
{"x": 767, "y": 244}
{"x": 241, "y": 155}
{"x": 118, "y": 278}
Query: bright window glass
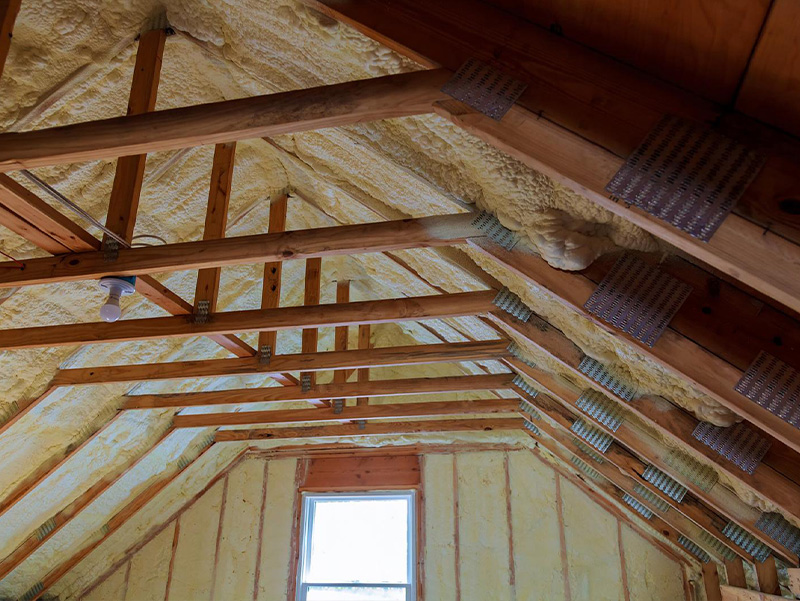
{"x": 357, "y": 547}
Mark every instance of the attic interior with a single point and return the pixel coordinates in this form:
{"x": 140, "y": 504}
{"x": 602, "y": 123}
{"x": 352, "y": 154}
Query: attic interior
{"x": 338, "y": 300}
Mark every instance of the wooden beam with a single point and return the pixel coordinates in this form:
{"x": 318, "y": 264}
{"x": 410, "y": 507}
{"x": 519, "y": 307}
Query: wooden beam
{"x": 734, "y": 570}
{"x": 669, "y": 420}
{"x": 446, "y": 230}
{"x": 370, "y": 428}
{"x": 48, "y": 224}
{"x": 626, "y": 483}
{"x": 334, "y": 105}
{"x": 364, "y": 336}
{"x": 8, "y": 15}
{"x": 271, "y": 289}
{"x": 117, "y": 521}
{"x": 794, "y": 580}
{"x": 63, "y": 517}
{"x": 127, "y": 186}
{"x": 731, "y": 593}
{"x": 767, "y": 573}
{"x": 351, "y": 390}
{"x": 311, "y": 296}
{"x": 386, "y": 411}
{"x": 284, "y": 318}
{"x": 718, "y": 497}
{"x": 415, "y": 354}
{"x": 207, "y": 288}
{"x": 702, "y": 369}
{"x": 342, "y": 333}
{"x": 711, "y": 582}
{"x": 581, "y": 116}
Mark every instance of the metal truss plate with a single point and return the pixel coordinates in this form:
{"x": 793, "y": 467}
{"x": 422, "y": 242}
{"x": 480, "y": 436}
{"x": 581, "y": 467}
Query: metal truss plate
{"x": 774, "y": 385}
{"x": 600, "y": 374}
{"x": 693, "y": 548}
{"x": 593, "y": 436}
{"x": 739, "y": 444}
{"x": 637, "y": 506}
{"x": 746, "y": 541}
{"x": 665, "y": 483}
{"x": 651, "y": 497}
{"x": 601, "y": 409}
{"x": 780, "y": 529}
{"x": 638, "y": 298}
{"x": 484, "y": 88}
{"x": 686, "y": 175}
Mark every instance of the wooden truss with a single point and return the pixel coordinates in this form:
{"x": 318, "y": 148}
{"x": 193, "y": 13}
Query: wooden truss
{"x": 552, "y": 129}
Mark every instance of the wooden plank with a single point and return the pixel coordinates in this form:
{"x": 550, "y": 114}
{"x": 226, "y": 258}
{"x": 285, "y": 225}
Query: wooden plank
{"x": 670, "y": 420}
{"x": 311, "y": 296}
{"x": 283, "y": 318}
{"x": 364, "y": 337}
{"x": 337, "y": 431}
{"x": 681, "y": 43}
{"x": 580, "y": 116}
{"x": 29, "y": 232}
{"x": 341, "y": 333}
{"x": 719, "y": 498}
{"x": 424, "y": 232}
{"x": 375, "y": 472}
{"x": 702, "y": 369}
{"x": 769, "y": 90}
{"x": 711, "y": 582}
{"x": 734, "y": 570}
{"x": 767, "y": 573}
{"x": 629, "y": 464}
{"x": 117, "y": 521}
{"x": 207, "y": 288}
{"x": 731, "y": 593}
{"x": 63, "y": 517}
{"x": 347, "y": 390}
{"x": 794, "y": 580}
{"x": 129, "y": 174}
{"x": 334, "y": 105}
{"x": 418, "y": 354}
{"x": 271, "y": 289}
{"x": 386, "y": 411}
{"x": 8, "y": 14}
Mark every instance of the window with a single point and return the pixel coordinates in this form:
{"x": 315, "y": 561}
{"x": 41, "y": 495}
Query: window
{"x": 357, "y": 547}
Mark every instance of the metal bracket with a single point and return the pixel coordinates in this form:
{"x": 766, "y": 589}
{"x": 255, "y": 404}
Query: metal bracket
{"x": 531, "y": 427}
{"x": 601, "y": 409}
{"x": 593, "y": 436}
{"x": 600, "y": 374}
{"x": 746, "y": 541}
{"x": 523, "y": 385}
{"x": 651, "y": 497}
{"x": 693, "y": 548}
{"x": 721, "y": 548}
{"x": 739, "y": 443}
{"x": 774, "y": 385}
{"x": 338, "y": 406}
{"x": 530, "y": 409}
{"x": 484, "y": 88}
{"x": 686, "y": 175}
{"x": 202, "y": 312}
{"x": 585, "y": 468}
{"x": 362, "y": 424}
{"x": 779, "y": 529}
{"x": 305, "y": 382}
{"x": 665, "y": 483}
{"x": 110, "y": 250}
{"x": 516, "y": 352}
{"x": 265, "y": 354}
{"x": 638, "y": 298}
{"x": 512, "y": 304}
{"x": 498, "y": 233}
{"x": 637, "y": 506}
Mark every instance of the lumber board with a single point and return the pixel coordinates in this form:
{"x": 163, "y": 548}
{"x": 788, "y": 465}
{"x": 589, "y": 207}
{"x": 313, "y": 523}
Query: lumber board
{"x": 271, "y": 287}
{"x": 283, "y": 318}
{"x": 8, "y": 15}
{"x": 734, "y": 570}
{"x": 365, "y": 473}
{"x": 386, "y": 411}
{"x": 415, "y": 354}
{"x": 311, "y": 297}
{"x": 364, "y": 338}
{"x": 343, "y": 390}
{"x": 336, "y": 105}
{"x": 129, "y": 174}
{"x": 424, "y": 232}
{"x": 732, "y": 593}
{"x": 711, "y": 582}
{"x": 767, "y": 574}
{"x": 337, "y": 431}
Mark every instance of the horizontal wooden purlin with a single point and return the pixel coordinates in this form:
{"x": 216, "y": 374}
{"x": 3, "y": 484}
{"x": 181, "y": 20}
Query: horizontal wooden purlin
{"x": 334, "y": 105}
{"x": 671, "y": 421}
{"x": 419, "y": 354}
{"x": 732, "y": 593}
{"x": 374, "y": 388}
{"x": 371, "y": 428}
{"x": 702, "y": 369}
{"x": 717, "y": 500}
{"x": 387, "y": 411}
{"x": 445, "y": 230}
{"x": 261, "y": 320}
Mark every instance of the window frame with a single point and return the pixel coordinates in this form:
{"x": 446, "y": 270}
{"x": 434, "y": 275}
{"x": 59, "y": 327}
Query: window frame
{"x": 309, "y": 498}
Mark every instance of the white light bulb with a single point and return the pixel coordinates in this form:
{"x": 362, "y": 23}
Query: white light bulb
{"x": 111, "y": 311}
